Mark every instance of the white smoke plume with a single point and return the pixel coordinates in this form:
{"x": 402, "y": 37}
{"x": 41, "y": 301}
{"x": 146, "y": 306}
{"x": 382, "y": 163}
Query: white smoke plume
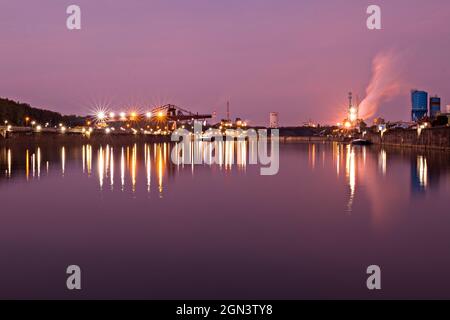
{"x": 385, "y": 84}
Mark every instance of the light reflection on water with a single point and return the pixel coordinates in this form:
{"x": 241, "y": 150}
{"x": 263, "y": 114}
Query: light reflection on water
{"x": 332, "y": 210}
{"x": 352, "y": 161}
{"x": 156, "y": 161}
{"x": 360, "y": 168}
{"x": 228, "y": 155}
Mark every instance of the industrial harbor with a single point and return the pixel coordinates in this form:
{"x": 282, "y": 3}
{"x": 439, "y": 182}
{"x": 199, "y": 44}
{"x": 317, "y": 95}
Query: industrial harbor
{"x": 224, "y": 159}
{"x": 428, "y": 128}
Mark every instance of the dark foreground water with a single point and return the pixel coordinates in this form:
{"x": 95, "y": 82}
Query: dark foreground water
{"x": 141, "y": 227}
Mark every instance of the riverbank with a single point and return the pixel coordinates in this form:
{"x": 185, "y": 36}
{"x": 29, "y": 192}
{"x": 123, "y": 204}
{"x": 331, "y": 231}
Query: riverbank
{"x": 429, "y": 138}
{"x": 313, "y": 139}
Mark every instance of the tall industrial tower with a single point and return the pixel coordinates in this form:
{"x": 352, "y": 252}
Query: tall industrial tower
{"x": 350, "y": 97}
{"x": 353, "y": 110}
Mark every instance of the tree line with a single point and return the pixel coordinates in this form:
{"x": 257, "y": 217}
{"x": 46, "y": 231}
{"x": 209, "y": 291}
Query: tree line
{"x": 22, "y": 114}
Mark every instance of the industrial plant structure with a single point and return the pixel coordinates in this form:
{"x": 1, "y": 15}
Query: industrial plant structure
{"x": 273, "y": 120}
{"x": 419, "y": 100}
{"x": 435, "y": 106}
{"x": 352, "y": 121}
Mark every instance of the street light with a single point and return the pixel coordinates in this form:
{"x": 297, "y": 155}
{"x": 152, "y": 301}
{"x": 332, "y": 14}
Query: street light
{"x": 101, "y": 116}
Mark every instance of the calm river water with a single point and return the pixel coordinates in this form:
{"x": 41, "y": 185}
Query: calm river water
{"x": 142, "y": 227}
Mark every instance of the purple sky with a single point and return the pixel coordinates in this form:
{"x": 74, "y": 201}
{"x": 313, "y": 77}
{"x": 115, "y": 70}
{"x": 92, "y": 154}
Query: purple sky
{"x": 299, "y": 58}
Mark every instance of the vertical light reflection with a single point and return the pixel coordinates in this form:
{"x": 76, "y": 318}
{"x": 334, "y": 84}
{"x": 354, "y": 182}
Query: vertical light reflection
{"x": 160, "y": 170}
{"x": 148, "y": 166}
{"x": 128, "y": 157}
{"x": 83, "y": 155}
{"x": 351, "y": 174}
{"x": 33, "y": 164}
{"x": 39, "y": 162}
{"x": 134, "y": 167}
{"x": 165, "y": 151}
{"x": 337, "y": 153}
{"x": 193, "y": 155}
{"x": 382, "y": 161}
{"x": 111, "y": 167}
{"x": 107, "y": 151}
{"x": 312, "y": 155}
{"x": 364, "y": 155}
{"x": 422, "y": 171}
{"x": 145, "y": 153}
{"x": 100, "y": 166}
{"x": 122, "y": 168}
{"x": 9, "y": 157}
{"x": 63, "y": 160}
{"x": 27, "y": 164}
{"x": 323, "y": 156}
{"x": 89, "y": 159}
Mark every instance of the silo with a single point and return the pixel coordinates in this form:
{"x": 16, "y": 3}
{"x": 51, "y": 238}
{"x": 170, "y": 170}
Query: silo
{"x": 419, "y": 100}
{"x": 435, "y": 106}
{"x": 273, "y": 120}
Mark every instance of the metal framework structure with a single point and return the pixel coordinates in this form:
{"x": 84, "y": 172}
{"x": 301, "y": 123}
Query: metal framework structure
{"x": 174, "y": 113}
{"x": 162, "y": 116}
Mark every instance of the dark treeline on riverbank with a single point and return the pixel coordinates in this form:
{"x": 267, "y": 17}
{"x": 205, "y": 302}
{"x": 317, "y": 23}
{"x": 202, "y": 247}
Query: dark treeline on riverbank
{"x": 21, "y": 114}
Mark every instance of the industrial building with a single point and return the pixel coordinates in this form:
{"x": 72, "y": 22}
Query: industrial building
{"x": 435, "y": 106}
{"x": 419, "y": 100}
{"x": 353, "y": 120}
{"x": 273, "y": 120}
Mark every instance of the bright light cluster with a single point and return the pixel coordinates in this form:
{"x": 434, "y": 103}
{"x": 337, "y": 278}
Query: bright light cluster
{"x": 102, "y": 115}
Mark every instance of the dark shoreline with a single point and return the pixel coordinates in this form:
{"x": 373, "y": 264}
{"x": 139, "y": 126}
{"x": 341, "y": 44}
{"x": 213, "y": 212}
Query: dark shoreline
{"x": 431, "y": 138}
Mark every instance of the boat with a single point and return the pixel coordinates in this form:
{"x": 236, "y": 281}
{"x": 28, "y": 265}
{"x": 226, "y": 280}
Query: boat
{"x": 361, "y": 142}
